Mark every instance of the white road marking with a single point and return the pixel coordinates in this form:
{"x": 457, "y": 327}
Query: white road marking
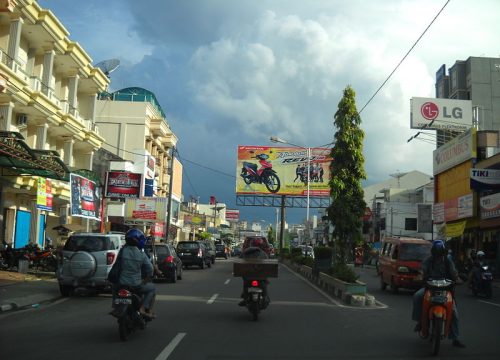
{"x": 170, "y": 347}
{"x": 212, "y": 299}
{"x": 227, "y": 281}
{"x": 490, "y": 303}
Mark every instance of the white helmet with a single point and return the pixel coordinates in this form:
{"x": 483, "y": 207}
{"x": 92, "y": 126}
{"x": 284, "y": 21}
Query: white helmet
{"x": 480, "y": 254}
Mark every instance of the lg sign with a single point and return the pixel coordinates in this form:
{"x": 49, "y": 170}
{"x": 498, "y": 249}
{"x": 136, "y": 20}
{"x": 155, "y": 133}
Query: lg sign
{"x": 446, "y": 114}
{"x": 430, "y": 111}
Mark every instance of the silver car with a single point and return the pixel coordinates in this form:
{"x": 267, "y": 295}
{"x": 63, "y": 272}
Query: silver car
{"x": 86, "y": 261}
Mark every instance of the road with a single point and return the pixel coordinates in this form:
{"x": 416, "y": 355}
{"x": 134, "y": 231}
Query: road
{"x": 198, "y": 318}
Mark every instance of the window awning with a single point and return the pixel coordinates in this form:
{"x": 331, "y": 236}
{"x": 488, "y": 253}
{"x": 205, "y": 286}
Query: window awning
{"x": 17, "y": 159}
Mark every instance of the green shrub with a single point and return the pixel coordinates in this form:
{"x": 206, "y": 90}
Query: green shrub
{"x": 308, "y": 261}
{"x": 285, "y": 253}
{"x": 296, "y": 252}
{"x": 323, "y": 252}
{"x": 344, "y": 273}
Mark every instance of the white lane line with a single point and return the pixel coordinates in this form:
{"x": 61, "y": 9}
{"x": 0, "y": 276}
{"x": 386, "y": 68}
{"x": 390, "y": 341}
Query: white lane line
{"x": 227, "y": 281}
{"x": 490, "y": 303}
{"x": 170, "y": 347}
{"x": 212, "y": 299}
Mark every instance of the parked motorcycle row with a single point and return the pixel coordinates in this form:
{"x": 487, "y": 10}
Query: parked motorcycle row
{"x": 38, "y": 259}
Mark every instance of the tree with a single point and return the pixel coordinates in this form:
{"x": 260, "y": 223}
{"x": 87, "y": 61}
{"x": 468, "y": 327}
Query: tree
{"x": 347, "y": 170}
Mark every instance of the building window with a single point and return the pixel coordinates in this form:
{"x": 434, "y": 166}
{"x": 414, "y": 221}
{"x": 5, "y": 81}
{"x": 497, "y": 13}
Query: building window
{"x": 411, "y": 224}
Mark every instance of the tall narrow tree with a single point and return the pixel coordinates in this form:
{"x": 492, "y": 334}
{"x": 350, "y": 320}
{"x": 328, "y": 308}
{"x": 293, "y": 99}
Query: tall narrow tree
{"x": 347, "y": 169}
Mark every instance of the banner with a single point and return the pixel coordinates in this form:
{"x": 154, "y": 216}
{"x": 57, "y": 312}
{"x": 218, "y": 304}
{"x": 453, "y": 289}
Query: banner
{"x": 489, "y": 206}
{"x": 194, "y": 219}
{"x": 455, "y": 229}
{"x": 287, "y": 169}
{"x": 44, "y": 194}
{"x": 456, "y": 151}
{"x": 85, "y": 198}
{"x": 146, "y": 209}
{"x": 122, "y": 184}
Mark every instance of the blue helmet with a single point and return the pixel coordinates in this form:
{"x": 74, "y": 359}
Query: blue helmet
{"x": 135, "y": 237}
{"x": 438, "y": 248}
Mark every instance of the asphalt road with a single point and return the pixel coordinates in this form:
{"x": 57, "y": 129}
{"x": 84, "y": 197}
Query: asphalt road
{"x": 198, "y": 318}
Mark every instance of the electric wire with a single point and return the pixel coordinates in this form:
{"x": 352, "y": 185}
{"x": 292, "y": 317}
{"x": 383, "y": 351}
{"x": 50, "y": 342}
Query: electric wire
{"x": 404, "y": 57}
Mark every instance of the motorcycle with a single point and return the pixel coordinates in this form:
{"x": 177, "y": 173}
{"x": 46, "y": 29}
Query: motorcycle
{"x": 126, "y": 309}
{"x": 481, "y": 280}
{"x": 255, "y": 298}
{"x": 437, "y": 311}
{"x": 264, "y": 175}
{"x": 44, "y": 260}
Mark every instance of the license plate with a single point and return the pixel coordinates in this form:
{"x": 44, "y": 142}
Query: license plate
{"x": 254, "y": 290}
{"x": 123, "y": 301}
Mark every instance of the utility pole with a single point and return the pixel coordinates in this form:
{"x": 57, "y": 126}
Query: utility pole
{"x": 169, "y": 203}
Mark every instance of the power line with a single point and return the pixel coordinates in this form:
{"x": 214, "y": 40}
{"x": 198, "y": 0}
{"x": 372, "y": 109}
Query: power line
{"x": 404, "y": 57}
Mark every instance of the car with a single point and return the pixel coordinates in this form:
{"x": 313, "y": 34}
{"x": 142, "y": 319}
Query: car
{"x": 165, "y": 258}
{"x": 236, "y": 251}
{"x": 307, "y": 250}
{"x": 193, "y": 253}
{"x": 220, "y": 250}
{"x": 87, "y": 259}
{"x": 258, "y": 241}
{"x": 210, "y": 245}
{"x": 400, "y": 262}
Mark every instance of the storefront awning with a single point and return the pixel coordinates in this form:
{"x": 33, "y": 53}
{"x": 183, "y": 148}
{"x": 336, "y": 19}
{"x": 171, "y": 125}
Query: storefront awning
{"x": 17, "y": 159}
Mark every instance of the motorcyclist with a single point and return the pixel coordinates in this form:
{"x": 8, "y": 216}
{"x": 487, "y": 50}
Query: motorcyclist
{"x": 256, "y": 249}
{"x": 437, "y": 266}
{"x": 476, "y": 268}
{"x": 135, "y": 266}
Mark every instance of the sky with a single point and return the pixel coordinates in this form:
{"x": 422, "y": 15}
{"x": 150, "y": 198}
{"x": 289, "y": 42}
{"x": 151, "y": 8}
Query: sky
{"x": 236, "y": 72}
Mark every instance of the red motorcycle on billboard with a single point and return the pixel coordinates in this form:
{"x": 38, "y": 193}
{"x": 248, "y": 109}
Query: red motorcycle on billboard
{"x": 263, "y": 175}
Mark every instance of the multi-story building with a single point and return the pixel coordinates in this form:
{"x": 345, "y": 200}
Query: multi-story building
{"x": 136, "y": 130}
{"x": 49, "y": 93}
{"x": 464, "y": 210}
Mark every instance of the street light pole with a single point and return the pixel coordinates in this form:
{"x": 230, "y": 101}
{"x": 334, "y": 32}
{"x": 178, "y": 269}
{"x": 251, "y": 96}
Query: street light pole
{"x": 308, "y": 149}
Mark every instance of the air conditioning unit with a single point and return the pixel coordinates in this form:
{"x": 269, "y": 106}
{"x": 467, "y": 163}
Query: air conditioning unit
{"x": 22, "y": 120}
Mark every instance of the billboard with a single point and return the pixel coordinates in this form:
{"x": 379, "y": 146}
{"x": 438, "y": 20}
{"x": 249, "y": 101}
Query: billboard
{"x": 44, "y": 195}
{"x": 146, "y": 210}
{"x": 85, "y": 198}
{"x": 283, "y": 170}
{"x": 232, "y": 215}
{"x": 122, "y": 184}
{"x": 440, "y": 114}
{"x": 454, "y": 152}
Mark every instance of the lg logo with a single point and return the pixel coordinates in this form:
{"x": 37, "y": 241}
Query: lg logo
{"x": 429, "y": 111}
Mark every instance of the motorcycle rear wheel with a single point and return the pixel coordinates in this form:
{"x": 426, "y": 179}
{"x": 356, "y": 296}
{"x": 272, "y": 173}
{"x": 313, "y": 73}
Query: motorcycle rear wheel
{"x": 253, "y": 306}
{"x": 437, "y": 329}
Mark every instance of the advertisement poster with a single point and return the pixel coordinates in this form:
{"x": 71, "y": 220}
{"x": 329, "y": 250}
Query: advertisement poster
{"x": 122, "y": 185}
{"x": 146, "y": 209}
{"x": 272, "y": 170}
{"x": 44, "y": 194}
{"x": 232, "y": 215}
{"x": 85, "y": 198}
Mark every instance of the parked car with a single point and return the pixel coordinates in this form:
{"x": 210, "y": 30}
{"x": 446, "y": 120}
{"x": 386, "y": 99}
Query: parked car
{"x": 210, "y": 245}
{"x": 165, "y": 258}
{"x": 400, "y": 262}
{"x": 220, "y": 250}
{"x": 193, "y": 253}
{"x": 86, "y": 261}
{"x": 236, "y": 251}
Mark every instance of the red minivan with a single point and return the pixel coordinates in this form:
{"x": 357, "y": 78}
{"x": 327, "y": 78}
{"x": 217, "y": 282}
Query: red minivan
{"x": 400, "y": 262}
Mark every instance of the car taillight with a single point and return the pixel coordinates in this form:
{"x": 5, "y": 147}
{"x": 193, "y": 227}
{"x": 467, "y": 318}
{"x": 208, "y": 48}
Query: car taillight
{"x": 110, "y": 258}
{"x": 254, "y": 283}
{"x": 124, "y": 293}
{"x": 200, "y": 253}
{"x": 169, "y": 259}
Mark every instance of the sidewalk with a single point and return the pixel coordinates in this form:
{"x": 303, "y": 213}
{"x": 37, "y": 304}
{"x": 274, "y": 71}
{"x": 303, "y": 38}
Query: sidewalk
{"x": 18, "y": 291}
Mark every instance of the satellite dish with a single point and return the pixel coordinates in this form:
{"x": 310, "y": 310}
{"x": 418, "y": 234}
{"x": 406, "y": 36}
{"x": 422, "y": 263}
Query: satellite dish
{"x": 108, "y": 66}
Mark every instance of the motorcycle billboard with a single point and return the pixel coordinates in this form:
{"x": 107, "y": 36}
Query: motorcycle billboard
{"x": 268, "y": 170}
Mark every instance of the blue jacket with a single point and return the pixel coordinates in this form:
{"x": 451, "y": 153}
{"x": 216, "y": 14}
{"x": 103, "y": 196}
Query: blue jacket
{"x": 135, "y": 263}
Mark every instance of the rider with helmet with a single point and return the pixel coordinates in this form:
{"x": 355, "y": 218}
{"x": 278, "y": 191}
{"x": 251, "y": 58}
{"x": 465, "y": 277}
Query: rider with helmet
{"x": 255, "y": 248}
{"x": 135, "y": 266}
{"x": 476, "y": 267}
{"x": 437, "y": 266}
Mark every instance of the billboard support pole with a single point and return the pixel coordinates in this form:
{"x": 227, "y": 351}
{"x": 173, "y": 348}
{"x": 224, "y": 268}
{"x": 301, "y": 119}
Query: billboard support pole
{"x": 169, "y": 203}
{"x": 282, "y": 226}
